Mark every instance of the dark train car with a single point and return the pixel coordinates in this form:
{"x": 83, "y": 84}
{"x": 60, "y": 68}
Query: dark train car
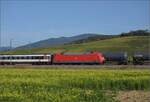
{"x": 141, "y": 58}
{"x": 83, "y": 58}
{"x": 116, "y": 57}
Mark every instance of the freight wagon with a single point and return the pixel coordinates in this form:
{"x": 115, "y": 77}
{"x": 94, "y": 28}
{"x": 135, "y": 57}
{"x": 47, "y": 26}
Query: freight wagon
{"x": 116, "y": 57}
{"x": 141, "y": 58}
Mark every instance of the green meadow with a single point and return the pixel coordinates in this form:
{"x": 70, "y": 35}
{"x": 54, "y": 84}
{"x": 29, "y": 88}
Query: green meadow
{"x": 129, "y": 44}
{"x": 69, "y": 85}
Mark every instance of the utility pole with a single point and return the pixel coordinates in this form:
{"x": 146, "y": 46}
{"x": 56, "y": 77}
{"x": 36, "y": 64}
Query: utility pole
{"x": 29, "y": 47}
{"x": 0, "y": 25}
{"x": 11, "y": 42}
{"x": 0, "y": 38}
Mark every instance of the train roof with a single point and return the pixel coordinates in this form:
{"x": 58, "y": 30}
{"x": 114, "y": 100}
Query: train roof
{"x": 28, "y": 55}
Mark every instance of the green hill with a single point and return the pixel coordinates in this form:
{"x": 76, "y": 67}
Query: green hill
{"x": 129, "y": 44}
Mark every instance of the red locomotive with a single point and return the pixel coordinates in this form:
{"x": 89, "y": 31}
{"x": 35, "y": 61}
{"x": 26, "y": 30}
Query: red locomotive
{"x": 86, "y": 58}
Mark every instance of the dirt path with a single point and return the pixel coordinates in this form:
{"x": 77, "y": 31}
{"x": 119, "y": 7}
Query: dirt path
{"x": 133, "y": 96}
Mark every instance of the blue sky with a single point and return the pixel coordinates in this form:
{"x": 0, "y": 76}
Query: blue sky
{"x": 30, "y": 21}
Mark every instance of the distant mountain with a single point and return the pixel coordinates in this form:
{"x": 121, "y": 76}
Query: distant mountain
{"x": 4, "y": 48}
{"x": 104, "y": 37}
{"x": 56, "y": 41}
{"x": 94, "y": 38}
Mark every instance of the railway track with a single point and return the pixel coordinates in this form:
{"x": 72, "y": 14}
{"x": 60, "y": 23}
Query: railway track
{"x": 78, "y": 66}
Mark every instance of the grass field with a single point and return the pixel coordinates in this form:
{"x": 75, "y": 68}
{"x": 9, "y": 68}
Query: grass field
{"x": 69, "y": 85}
{"x": 129, "y": 44}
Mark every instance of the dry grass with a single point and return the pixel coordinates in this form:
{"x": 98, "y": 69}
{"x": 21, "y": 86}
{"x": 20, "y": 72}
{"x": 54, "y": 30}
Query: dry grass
{"x": 133, "y": 96}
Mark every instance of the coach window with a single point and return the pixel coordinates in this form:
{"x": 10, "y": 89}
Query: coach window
{"x": 30, "y": 57}
{"x": 33, "y": 57}
{"x": 37, "y": 57}
{"x": 41, "y": 57}
{"x": 48, "y": 57}
{"x": 1, "y": 58}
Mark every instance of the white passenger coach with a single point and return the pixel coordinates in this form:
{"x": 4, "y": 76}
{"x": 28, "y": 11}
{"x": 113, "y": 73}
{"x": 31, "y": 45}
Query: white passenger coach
{"x": 25, "y": 59}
